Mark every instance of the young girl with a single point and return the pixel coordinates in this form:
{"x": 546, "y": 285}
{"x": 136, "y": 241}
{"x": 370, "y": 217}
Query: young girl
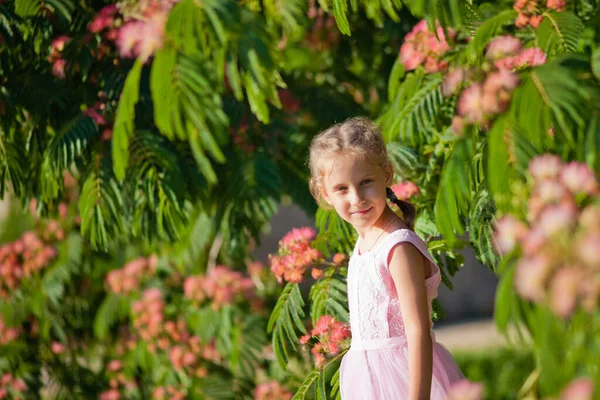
{"x": 392, "y": 278}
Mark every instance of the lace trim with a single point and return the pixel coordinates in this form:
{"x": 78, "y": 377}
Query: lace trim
{"x": 373, "y": 300}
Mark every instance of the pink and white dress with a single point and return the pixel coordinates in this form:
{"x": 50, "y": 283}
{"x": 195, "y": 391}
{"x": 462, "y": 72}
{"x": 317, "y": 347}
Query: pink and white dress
{"x": 376, "y": 366}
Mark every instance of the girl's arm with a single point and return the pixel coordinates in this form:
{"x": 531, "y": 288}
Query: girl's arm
{"x": 407, "y": 270}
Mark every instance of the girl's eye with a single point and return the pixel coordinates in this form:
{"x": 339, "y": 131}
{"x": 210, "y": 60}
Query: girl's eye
{"x": 366, "y": 182}
{"x": 340, "y": 189}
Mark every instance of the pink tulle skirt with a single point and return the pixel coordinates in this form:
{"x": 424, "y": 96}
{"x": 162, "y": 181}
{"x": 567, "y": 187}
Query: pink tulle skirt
{"x": 378, "y": 370}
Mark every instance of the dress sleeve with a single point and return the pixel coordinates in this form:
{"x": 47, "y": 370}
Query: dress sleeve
{"x": 405, "y": 235}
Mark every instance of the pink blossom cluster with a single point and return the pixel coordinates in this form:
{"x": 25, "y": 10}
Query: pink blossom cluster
{"x": 7, "y": 333}
{"x": 12, "y": 387}
{"x": 127, "y": 279}
{"x": 118, "y": 382}
{"x": 143, "y": 36}
{"x": 530, "y": 12}
{"x": 466, "y": 390}
{"x": 105, "y": 19}
{"x": 338, "y": 260}
{"x": 52, "y": 229}
{"x": 559, "y": 242}
{"x": 295, "y": 255}
{"x": 187, "y": 353}
{"x": 21, "y": 259}
{"x": 405, "y": 190}
{"x": 332, "y": 337}
{"x": 523, "y": 58}
{"x": 579, "y": 389}
{"x": 95, "y": 114}
{"x": 148, "y": 314}
{"x": 168, "y": 392}
{"x": 422, "y": 47}
{"x": 221, "y": 285}
{"x": 55, "y": 58}
{"x": 271, "y": 390}
{"x": 483, "y": 100}
{"x": 480, "y": 102}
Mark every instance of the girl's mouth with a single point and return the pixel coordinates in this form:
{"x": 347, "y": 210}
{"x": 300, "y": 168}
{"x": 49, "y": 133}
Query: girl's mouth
{"x": 363, "y": 212}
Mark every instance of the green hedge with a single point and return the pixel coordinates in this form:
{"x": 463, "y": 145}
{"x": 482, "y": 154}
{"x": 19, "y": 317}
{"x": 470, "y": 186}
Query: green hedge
{"x": 502, "y": 371}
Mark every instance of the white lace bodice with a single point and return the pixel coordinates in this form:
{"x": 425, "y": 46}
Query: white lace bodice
{"x": 372, "y": 296}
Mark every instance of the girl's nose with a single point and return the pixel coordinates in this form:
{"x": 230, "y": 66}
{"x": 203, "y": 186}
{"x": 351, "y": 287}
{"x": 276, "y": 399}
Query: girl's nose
{"x": 357, "y": 197}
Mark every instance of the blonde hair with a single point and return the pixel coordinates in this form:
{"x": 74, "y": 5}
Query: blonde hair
{"x": 358, "y": 136}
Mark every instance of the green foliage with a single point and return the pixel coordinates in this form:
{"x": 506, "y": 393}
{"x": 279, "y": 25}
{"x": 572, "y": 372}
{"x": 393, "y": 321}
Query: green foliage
{"x": 487, "y": 30}
{"x": 480, "y": 228}
{"x": 101, "y": 202}
{"x": 455, "y": 192}
{"x": 187, "y": 108}
{"x": 559, "y": 33}
{"x": 335, "y": 234}
{"x": 70, "y": 148}
{"x": 124, "y": 121}
{"x": 328, "y": 296}
{"x": 12, "y": 154}
{"x": 285, "y": 321}
{"x": 412, "y": 115}
{"x": 502, "y": 371}
{"x": 205, "y": 144}
{"x": 321, "y": 383}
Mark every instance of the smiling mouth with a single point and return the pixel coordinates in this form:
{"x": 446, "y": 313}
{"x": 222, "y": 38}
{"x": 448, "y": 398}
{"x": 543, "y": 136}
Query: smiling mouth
{"x": 361, "y": 212}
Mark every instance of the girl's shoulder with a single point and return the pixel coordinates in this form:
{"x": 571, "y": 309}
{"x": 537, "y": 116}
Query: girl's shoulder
{"x": 403, "y": 235}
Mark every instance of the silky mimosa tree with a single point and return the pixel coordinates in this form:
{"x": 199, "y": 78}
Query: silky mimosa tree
{"x": 153, "y": 141}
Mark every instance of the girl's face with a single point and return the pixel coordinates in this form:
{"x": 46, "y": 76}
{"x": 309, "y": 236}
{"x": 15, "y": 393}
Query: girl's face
{"x": 355, "y": 187}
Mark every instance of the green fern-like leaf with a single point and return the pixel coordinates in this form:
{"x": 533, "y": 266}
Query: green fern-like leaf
{"x": 186, "y": 106}
{"x": 596, "y": 62}
{"x": 200, "y": 27}
{"x": 124, "y": 120}
{"x": 329, "y": 297}
{"x": 305, "y": 388}
{"x": 101, "y": 204}
{"x": 205, "y": 322}
{"x": 559, "y": 33}
{"x": 404, "y": 159}
{"x": 255, "y": 184}
{"x": 70, "y": 147}
{"x": 416, "y": 111}
{"x": 218, "y": 385}
{"x": 591, "y": 150}
{"x": 158, "y": 188}
{"x": 454, "y": 194}
{"x": 500, "y": 172}
{"x": 64, "y": 8}
{"x": 335, "y": 386}
{"x": 318, "y": 382}
{"x": 251, "y": 343}
{"x": 480, "y": 228}
{"x": 288, "y": 14}
{"x": 113, "y": 309}
{"x": 551, "y": 90}
{"x": 335, "y": 234}
{"x": 285, "y": 321}
{"x": 395, "y": 79}
{"x": 27, "y": 8}
{"x": 487, "y": 30}
{"x": 63, "y": 269}
{"x": 12, "y": 163}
